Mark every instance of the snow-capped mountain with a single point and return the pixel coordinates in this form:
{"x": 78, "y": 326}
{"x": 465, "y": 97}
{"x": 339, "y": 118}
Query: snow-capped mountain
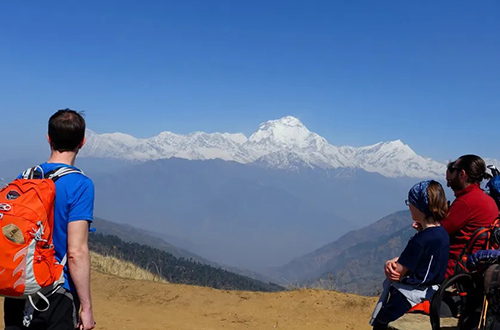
{"x": 198, "y": 145}
{"x": 284, "y": 144}
{"x": 394, "y": 159}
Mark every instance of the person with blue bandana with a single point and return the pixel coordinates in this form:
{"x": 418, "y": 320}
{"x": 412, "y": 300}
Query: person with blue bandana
{"x": 422, "y": 264}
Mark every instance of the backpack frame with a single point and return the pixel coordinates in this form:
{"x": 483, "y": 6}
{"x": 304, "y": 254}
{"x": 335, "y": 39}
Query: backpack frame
{"x": 466, "y": 285}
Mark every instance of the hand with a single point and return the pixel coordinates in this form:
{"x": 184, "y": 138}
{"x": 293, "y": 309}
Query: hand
{"x": 390, "y": 270}
{"x": 417, "y": 226}
{"x": 86, "y": 320}
{"x": 486, "y": 256}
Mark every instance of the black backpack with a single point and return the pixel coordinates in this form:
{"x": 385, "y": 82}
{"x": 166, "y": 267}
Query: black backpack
{"x": 462, "y": 293}
{"x": 492, "y": 289}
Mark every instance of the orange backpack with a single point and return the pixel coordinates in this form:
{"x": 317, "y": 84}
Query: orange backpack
{"x": 28, "y": 267}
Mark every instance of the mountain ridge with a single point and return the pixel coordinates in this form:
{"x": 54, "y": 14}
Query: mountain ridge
{"x": 284, "y": 143}
{"x": 325, "y": 259}
{"x": 129, "y": 233}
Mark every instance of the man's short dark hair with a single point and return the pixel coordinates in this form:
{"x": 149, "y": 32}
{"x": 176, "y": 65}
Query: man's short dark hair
{"x": 474, "y": 166}
{"x": 66, "y": 130}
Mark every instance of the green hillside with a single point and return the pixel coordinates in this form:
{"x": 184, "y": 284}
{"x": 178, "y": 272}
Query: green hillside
{"x": 129, "y": 233}
{"x": 359, "y": 269}
{"x": 173, "y": 269}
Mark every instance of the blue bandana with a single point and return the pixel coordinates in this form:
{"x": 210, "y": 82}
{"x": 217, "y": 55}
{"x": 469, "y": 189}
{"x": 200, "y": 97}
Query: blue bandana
{"x": 417, "y": 196}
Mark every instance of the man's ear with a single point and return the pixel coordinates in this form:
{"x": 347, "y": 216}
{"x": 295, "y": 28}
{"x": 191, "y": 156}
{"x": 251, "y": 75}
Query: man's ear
{"x": 82, "y": 143}
{"x": 49, "y": 141}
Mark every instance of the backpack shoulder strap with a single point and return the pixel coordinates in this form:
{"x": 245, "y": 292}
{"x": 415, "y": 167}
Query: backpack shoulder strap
{"x": 479, "y": 233}
{"x": 495, "y": 234}
{"x": 482, "y": 232}
{"x": 58, "y": 173}
{"x": 35, "y": 172}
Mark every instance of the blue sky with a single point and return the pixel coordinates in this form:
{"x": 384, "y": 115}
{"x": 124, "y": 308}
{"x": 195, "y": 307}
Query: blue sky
{"x": 355, "y": 72}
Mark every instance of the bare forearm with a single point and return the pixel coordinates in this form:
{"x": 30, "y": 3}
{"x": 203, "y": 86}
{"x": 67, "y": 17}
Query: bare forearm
{"x": 79, "y": 269}
{"x": 390, "y": 270}
{"x": 402, "y": 270}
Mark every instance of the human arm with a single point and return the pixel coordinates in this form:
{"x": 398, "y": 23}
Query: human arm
{"x": 81, "y": 211}
{"x": 394, "y": 271}
{"x": 417, "y": 226}
{"x": 457, "y": 218}
{"x": 79, "y": 269}
{"x": 410, "y": 257}
{"x": 401, "y": 270}
{"x": 390, "y": 270}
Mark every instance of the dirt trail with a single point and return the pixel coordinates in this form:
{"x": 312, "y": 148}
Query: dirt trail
{"x": 132, "y": 304}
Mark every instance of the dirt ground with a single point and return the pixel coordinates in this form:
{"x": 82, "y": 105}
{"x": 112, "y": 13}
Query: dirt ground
{"x": 132, "y": 304}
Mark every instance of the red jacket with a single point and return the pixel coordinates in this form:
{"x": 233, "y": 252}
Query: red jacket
{"x": 472, "y": 209}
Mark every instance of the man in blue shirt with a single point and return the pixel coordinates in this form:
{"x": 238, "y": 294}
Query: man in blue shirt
{"x": 73, "y": 212}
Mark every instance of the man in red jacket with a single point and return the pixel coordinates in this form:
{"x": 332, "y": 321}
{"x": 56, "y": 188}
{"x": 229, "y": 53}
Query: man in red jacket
{"x": 472, "y": 207}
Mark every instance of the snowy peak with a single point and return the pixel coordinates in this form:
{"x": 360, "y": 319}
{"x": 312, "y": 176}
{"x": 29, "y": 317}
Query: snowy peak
{"x": 284, "y": 143}
{"x": 288, "y": 133}
{"x": 285, "y": 131}
{"x": 395, "y": 159}
{"x": 391, "y": 147}
{"x": 287, "y": 121}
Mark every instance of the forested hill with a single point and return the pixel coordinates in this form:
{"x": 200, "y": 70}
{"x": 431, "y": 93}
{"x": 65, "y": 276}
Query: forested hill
{"x": 175, "y": 270}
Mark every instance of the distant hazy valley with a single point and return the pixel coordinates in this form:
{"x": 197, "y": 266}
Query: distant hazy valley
{"x": 281, "y": 205}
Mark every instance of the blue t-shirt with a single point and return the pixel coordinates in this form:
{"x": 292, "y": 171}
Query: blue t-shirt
{"x": 426, "y": 257}
{"x": 74, "y": 201}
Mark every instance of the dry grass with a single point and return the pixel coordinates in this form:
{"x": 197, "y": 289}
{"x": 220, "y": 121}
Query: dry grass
{"x": 114, "y": 266}
{"x": 126, "y": 304}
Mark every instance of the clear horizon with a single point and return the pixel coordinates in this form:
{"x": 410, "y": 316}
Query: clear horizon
{"x": 354, "y": 73}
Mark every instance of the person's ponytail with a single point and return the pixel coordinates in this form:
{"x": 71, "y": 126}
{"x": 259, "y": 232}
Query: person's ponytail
{"x": 438, "y": 205}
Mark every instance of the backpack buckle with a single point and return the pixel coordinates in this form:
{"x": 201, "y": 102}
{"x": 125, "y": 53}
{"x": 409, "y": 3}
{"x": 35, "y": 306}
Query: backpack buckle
{"x": 5, "y": 207}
